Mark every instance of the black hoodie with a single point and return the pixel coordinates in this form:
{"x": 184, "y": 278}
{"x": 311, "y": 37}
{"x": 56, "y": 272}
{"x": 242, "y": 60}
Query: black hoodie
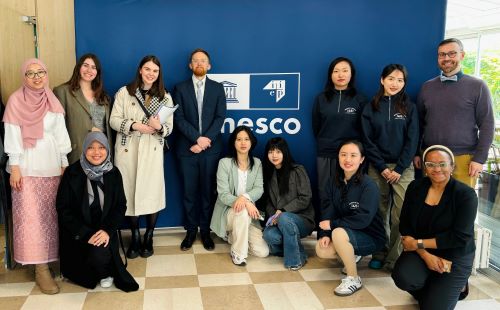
{"x": 390, "y": 137}
{"x": 336, "y": 120}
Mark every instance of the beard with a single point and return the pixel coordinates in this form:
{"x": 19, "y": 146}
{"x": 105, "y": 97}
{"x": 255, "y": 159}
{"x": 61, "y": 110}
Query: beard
{"x": 449, "y": 66}
{"x": 199, "y": 71}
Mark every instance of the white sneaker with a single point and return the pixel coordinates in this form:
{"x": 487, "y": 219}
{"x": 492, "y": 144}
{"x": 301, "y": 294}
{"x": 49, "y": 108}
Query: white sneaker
{"x": 348, "y": 286}
{"x": 106, "y": 282}
{"x": 358, "y": 259}
{"x": 238, "y": 261}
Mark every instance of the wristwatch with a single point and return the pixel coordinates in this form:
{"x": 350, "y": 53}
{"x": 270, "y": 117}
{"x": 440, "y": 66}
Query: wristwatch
{"x": 420, "y": 244}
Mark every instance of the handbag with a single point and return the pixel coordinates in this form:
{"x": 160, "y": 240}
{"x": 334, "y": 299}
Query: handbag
{"x": 166, "y": 147}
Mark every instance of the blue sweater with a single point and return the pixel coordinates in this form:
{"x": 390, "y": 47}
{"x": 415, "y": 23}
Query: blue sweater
{"x": 336, "y": 120}
{"x": 388, "y": 136}
{"x": 355, "y": 206}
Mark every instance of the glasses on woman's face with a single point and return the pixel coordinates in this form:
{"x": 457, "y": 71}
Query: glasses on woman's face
{"x": 432, "y": 165}
{"x": 32, "y": 74}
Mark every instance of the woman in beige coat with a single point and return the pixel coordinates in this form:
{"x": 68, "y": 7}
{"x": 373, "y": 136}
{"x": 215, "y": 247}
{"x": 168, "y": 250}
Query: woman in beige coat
{"x": 85, "y": 103}
{"x": 139, "y": 148}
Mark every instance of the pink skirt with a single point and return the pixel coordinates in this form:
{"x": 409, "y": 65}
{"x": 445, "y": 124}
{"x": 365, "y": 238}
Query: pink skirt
{"x": 34, "y": 216}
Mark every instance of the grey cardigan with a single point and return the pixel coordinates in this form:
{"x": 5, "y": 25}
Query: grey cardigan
{"x": 298, "y": 200}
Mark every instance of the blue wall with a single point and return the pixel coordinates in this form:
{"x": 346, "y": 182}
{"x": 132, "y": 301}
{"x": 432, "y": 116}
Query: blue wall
{"x": 257, "y": 36}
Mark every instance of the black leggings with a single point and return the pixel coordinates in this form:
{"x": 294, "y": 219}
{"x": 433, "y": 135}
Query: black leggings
{"x": 431, "y": 289}
{"x": 150, "y": 221}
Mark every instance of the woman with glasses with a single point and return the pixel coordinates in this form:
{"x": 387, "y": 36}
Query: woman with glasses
{"x": 139, "y": 148}
{"x": 390, "y": 131}
{"x": 349, "y": 224}
{"x": 288, "y": 203}
{"x": 85, "y": 102}
{"x": 36, "y": 142}
{"x": 89, "y": 241}
{"x": 336, "y": 116}
{"x": 437, "y": 229}
{"x": 239, "y": 186}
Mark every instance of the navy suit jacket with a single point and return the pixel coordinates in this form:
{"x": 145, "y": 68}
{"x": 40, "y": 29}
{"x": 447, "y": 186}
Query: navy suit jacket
{"x": 186, "y": 116}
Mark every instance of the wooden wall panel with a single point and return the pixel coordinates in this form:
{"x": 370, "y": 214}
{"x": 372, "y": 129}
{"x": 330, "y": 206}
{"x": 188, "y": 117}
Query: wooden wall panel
{"x": 17, "y": 43}
{"x": 56, "y": 37}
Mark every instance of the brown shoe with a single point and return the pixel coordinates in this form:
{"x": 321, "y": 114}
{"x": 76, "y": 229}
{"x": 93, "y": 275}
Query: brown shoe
{"x": 44, "y": 280}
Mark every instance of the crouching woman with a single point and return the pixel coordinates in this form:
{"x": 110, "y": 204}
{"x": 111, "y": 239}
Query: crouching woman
{"x": 91, "y": 206}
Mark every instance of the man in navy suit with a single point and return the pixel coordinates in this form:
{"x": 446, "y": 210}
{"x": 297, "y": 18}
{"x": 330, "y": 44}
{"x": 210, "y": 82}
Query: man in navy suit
{"x": 199, "y": 119}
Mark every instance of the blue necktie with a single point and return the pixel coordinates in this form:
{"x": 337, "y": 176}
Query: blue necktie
{"x": 445, "y": 78}
{"x": 199, "y": 100}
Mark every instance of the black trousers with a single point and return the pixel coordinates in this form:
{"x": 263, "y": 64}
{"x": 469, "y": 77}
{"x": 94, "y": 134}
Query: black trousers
{"x": 431, "y": 289}
{"x": 198, "y": 176}
{"x": 99, "y": 259}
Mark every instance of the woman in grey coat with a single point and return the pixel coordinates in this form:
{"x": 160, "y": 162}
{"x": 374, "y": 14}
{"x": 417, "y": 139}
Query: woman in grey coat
{"x": 288, "y": 204}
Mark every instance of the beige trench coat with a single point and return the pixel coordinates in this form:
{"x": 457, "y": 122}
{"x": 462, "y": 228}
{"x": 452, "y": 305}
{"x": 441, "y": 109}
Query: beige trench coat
{"x": 140, "y": 159}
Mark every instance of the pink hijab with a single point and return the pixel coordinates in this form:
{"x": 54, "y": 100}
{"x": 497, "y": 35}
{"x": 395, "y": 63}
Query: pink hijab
{"x": 27, "y": 107}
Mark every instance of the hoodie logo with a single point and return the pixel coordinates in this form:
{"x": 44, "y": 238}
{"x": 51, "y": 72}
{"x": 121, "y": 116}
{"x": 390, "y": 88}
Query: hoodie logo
{"x": 350, "y": 111}
{"x": 353, "y": 205}
{"x": 399, "y": 116}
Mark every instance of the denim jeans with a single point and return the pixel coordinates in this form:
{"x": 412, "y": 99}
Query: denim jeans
{"x": 284, "y": 239}
{"x": 362, "y": 243}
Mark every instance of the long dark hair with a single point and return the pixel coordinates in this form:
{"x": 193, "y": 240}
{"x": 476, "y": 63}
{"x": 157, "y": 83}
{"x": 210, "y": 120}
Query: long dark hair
{"x": 400, "y": 98}
{"x": 339, "y": 173}
{"x": 158, "y": 89}
{"x": 280, "y": 144}
{"x": 330, "y": 87}
{"x": 97, "y": 83}
{"x": 232, "y": 149}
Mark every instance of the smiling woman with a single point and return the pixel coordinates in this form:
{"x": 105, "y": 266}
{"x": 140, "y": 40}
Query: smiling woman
{"x": 36, "y": 142}
{"x": 88, "y": 238}
{"x": 437, "y": 229}
{"x": 85, "y": 102}
{"x": 139, "y": 148}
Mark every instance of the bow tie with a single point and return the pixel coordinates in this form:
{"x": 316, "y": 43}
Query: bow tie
{"x": 452, "y": 78}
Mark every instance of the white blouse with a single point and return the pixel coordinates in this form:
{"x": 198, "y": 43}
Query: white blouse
{"x": 242, "y": 184}
{"x": 49, "y": 153}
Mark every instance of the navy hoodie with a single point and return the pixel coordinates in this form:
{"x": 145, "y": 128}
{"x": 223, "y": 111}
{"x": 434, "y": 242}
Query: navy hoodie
{"x": 336, "y": 120}
{"x": 390, "y": 137}
{"x": 353, "y": 205}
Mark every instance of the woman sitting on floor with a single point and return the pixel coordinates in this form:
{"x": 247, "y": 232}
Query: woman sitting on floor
{"x": 239, "y": 186}
{"x": 91, "y": 205}
{"x": 288, "y": 204}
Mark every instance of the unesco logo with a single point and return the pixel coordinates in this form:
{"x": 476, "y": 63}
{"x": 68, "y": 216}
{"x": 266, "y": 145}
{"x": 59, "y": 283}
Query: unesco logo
{"x": 260, "y": 91}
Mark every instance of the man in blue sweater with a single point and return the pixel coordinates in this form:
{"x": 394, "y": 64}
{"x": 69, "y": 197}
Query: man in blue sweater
{"x": 455, "y": 110}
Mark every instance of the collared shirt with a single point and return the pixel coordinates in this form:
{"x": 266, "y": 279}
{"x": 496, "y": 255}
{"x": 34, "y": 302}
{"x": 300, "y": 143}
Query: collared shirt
{"x": 195, "y": 81}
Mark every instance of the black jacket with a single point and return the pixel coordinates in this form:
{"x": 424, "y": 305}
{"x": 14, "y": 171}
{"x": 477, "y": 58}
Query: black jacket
{"x": 452, "y": 223}
{"x": 390, "y": 137}
{"x": 75, "y": 231}
{"x": 336, "y": 120}
{"x": 355, "y": 206}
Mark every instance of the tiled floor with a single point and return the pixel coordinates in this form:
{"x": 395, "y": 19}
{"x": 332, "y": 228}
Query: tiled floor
{"x": 197, "y": 279}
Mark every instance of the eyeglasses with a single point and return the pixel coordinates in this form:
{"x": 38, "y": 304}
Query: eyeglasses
{"x": 430, "y": 164}
{"x": 451, "y": 54}
{"x": 31, "y": 74}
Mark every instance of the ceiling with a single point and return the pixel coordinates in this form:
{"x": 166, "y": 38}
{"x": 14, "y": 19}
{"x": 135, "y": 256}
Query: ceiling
{"x": 472, "y": 16}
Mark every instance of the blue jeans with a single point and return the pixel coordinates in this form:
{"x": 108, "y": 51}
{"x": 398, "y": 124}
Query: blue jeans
{"x": 284, "y": 239}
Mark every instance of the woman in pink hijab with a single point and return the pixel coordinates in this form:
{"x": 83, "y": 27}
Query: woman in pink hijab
{"x": 36, "y": 141}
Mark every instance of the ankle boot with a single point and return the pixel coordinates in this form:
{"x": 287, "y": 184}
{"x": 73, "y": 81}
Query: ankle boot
{"x": 147, "y": 246}
{"x": 135, "y": 244}
{"x": 44, "y": 280}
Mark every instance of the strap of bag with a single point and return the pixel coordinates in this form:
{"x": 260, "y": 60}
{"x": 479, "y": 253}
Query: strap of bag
{"x": 143, "y": 107}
